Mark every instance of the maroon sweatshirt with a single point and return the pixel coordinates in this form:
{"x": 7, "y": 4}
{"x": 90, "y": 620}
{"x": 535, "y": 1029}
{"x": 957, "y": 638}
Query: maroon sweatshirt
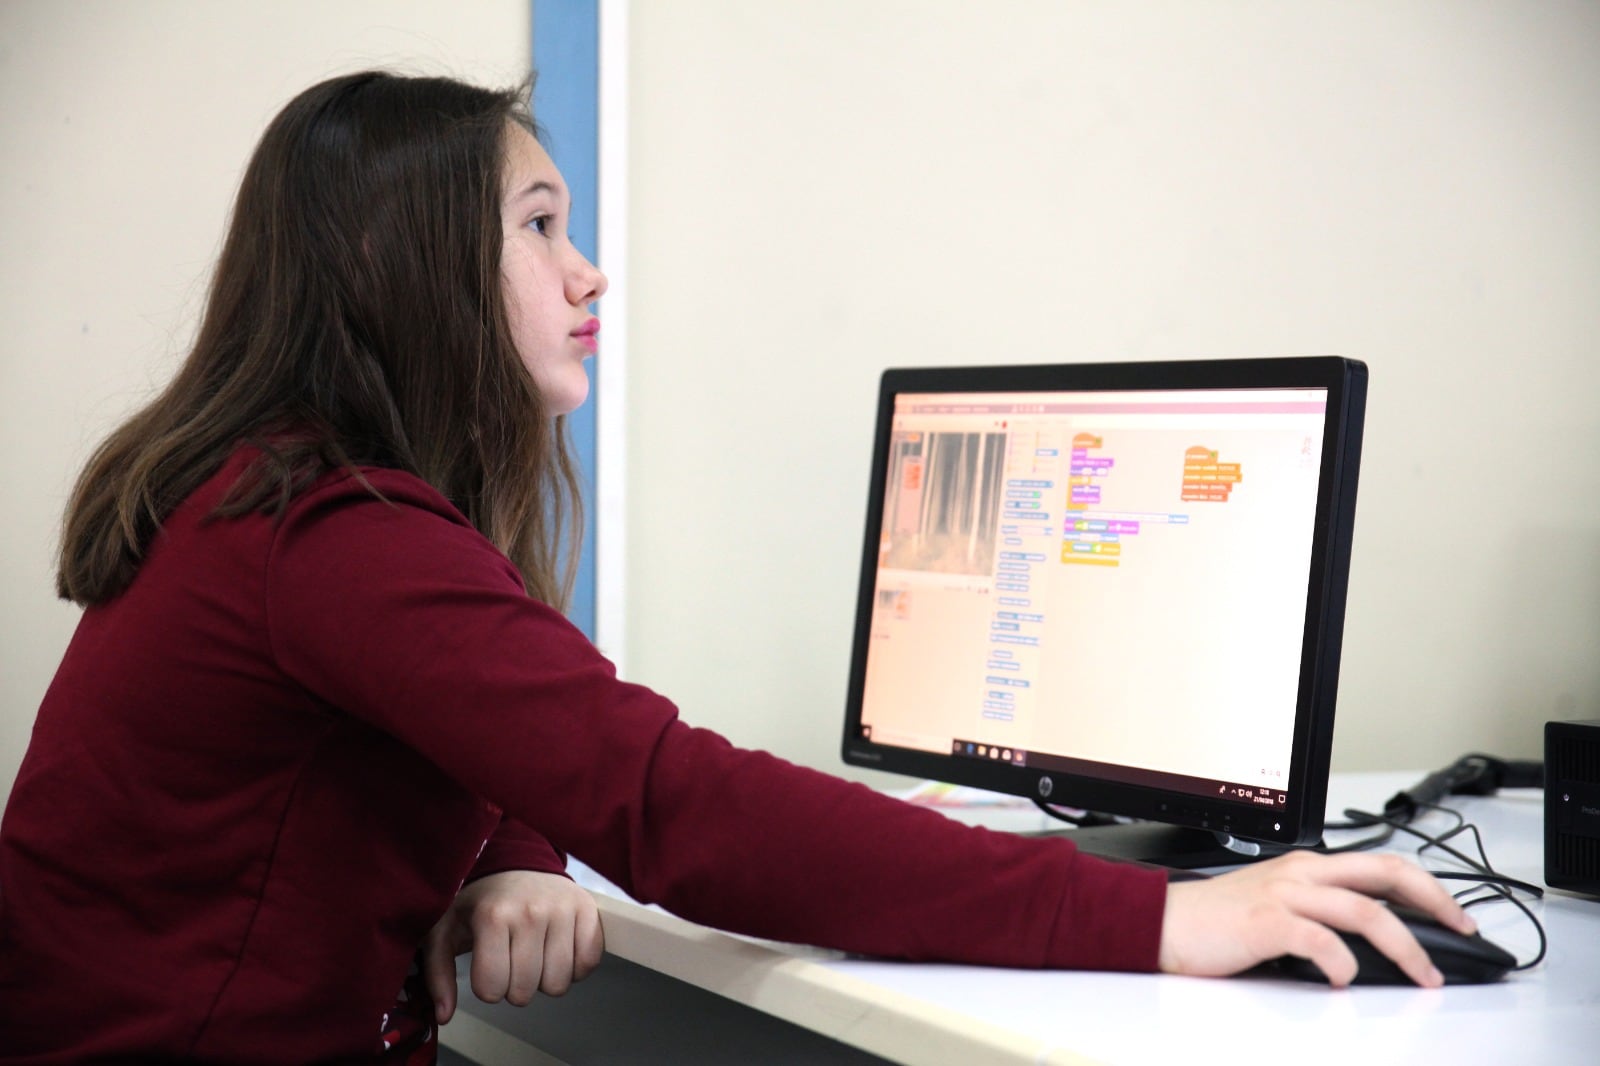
{"x": 264, "y": 770}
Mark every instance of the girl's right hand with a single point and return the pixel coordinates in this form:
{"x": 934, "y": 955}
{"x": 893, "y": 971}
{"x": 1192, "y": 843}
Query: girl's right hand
{"x": 1292, "y": 905}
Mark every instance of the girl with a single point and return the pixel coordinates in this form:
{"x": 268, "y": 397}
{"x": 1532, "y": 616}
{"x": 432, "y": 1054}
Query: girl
{"x": 321, "y": 681}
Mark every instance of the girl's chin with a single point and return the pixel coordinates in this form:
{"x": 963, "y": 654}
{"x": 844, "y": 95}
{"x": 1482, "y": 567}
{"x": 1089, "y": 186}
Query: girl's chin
{"x": 567, "y": 392}
{"x": 567, "y": 402}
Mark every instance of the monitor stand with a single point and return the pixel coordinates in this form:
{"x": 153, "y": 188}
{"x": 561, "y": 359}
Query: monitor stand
{"x": 1177, "y": 847}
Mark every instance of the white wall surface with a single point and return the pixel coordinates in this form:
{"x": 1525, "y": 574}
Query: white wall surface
{"x": 124, "y": 128}
{"x": 821, "y": 189}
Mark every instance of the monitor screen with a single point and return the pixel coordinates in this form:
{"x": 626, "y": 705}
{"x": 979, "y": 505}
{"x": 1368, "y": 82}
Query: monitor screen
{"x": 1114, "y": 587}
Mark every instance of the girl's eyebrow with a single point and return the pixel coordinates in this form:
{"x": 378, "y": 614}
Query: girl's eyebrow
{"x": 537, "y": 186}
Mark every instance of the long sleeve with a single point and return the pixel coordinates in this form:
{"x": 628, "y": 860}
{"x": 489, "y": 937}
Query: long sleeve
{"x": 514, "y": 846}
{"x": 398, "y": 613}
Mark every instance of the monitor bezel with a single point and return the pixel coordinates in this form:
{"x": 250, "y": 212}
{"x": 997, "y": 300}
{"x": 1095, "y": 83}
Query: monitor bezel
{"x": 1299, "y": 822}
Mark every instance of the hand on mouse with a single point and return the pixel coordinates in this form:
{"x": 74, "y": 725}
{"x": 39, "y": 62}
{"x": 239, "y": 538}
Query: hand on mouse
{"x": 1292, "y": 904}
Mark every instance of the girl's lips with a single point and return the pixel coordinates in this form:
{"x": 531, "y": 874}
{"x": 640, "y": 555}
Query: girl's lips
{"x": 586, "y": 334}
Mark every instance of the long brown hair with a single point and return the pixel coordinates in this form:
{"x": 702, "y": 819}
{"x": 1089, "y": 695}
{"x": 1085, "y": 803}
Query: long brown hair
{"x": 355, "y": 318}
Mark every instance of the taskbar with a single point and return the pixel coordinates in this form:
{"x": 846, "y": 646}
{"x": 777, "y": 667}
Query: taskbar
{"x": 1230, "y": 791}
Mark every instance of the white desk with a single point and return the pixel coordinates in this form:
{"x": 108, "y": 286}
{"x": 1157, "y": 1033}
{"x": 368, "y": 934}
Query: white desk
{"x": 940, "y": 1014}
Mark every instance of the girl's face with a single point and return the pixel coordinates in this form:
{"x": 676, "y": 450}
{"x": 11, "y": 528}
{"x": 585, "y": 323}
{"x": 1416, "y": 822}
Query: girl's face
{"x": 548, "y": 284}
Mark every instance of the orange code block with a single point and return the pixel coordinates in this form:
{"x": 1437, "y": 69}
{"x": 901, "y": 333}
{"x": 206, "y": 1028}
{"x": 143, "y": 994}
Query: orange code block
{"x": 1205, "y": 480}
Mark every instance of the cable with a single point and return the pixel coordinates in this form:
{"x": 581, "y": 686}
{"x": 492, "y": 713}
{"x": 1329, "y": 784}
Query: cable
{"x": 1485, "y": 875}
{"x": 1474, "y": 774}
{"x": 1377, "y": 840}
{"x": 1432, "y": 840}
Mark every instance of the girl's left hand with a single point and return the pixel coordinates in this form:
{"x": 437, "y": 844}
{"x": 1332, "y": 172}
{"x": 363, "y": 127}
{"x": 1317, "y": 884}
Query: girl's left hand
{"x": 528, "y": 932}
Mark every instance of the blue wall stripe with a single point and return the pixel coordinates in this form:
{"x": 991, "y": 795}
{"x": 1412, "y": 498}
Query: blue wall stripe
{"x": 566, "y": 55}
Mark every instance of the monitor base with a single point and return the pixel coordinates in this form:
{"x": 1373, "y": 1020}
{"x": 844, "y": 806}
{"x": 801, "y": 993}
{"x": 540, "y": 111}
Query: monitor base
{"x": 1174, "y": 846}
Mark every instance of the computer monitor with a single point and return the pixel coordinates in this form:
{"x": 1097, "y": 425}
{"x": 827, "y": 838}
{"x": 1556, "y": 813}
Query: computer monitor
{"x": 1117, "y": 587}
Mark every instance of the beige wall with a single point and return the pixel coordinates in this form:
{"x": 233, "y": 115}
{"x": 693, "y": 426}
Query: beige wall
{"x": 822, "y": 188}
{"x": 124, "y": 129}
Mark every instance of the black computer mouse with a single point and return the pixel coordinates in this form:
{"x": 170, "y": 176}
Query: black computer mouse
{"x": 1464, "y": 960}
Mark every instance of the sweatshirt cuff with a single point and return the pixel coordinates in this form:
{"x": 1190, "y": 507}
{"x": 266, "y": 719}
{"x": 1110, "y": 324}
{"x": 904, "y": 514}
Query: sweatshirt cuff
{"x": 513, "y": 846}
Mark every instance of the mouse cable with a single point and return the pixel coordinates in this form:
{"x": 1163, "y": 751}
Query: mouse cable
{"x": 1367, "y": 843}
{"x": 1441, "y": 842}
{"x": 1488, "y": 874}
{"x": 1355, "y": 819}
{"x": 1498, "y": 885}
{"x": 1482, "y": 872}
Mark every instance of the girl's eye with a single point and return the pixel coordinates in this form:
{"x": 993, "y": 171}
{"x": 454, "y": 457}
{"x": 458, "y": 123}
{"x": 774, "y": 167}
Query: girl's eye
{"x": 540, "y": 225}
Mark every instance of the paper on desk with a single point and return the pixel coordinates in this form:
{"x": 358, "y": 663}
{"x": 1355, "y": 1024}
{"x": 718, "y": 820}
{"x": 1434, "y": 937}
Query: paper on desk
{"x": 942, "y": 794}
